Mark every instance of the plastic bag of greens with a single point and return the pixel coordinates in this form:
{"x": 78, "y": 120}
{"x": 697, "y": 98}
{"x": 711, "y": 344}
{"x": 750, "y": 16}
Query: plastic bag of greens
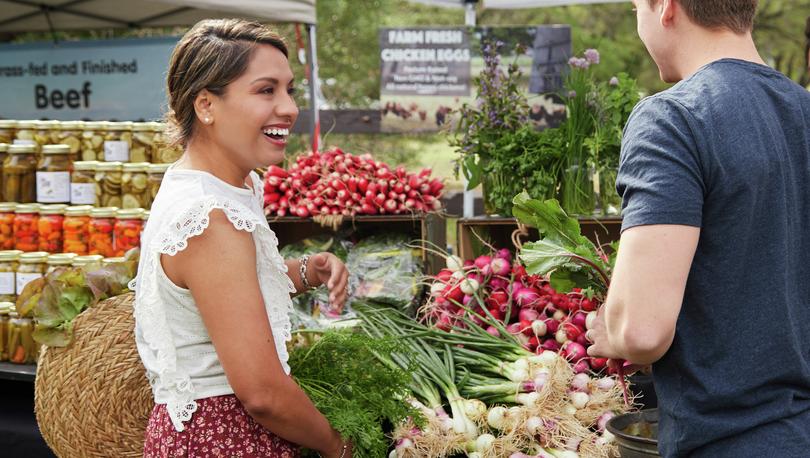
{"x": 383, "y": 268}
{"x": 311, "y": 309}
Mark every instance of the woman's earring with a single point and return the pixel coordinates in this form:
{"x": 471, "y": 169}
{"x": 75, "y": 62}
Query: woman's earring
{"x": 207, "y": 120}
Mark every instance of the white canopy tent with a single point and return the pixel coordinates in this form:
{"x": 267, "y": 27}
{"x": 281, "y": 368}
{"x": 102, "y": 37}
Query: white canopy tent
{"x": 513, "y": 4}
{"x": 51, "y": 15}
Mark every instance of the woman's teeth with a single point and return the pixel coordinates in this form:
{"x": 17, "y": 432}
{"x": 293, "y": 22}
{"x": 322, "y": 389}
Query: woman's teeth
{"x": 276, "y": 132}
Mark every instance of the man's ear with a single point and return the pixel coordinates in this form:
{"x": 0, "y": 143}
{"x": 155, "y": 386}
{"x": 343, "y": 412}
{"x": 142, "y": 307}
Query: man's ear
{"x": 667, "y": 10}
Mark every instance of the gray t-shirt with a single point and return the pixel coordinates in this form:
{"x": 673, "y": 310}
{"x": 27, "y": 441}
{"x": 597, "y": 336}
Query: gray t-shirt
{"x": 728, "y": 150}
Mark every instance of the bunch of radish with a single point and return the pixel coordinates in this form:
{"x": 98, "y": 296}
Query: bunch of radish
{"x": 342, "y": 184}
{"x": 530, "y": 309}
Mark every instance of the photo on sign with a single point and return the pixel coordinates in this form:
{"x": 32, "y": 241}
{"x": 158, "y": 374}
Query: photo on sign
{"x": 426, "y": 73}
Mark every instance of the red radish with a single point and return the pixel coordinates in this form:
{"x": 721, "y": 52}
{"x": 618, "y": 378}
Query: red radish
{"x": 552, "y": 325}
{"x": 526, "y": 328}
{"x": 454, "y": 293}
{"x": 444, "y": 275}
{"x": 504, "y": 253}
{"x": 572, "y": 331}
{"x": 527, "y": 297}
{"x": 580, "y": 382}
{"x": 560, "y": 336}
{"x": 497, "y": 298}
{"x": 539, "y": 328}
{"x": 598, "y": 364}
{"x": 482, "y": 261}
{"x": 550, "y": 344}
{"x": 514, "y": 329}
{"x": 494, "y": 331}
{"x": 588, "y": 305}
{"x": 559, "y": 315}
{"x": 579, "y": 319}
{"x": 499, "y": 266}
{"x": 534, "y": 342}
{"x": 277, "y": 171}
{"x": 527, "y": 314}
{"x": 581, "y": 366}
{"x": 498, "y": 283}
{"x": 573, "y": 351}
{"x": 582, "y": 340}
{"x": 496, "y": 313}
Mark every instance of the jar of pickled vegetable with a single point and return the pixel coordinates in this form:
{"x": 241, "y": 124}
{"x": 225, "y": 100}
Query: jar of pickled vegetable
{"x": 133, "y": 185}
{"x": 83, "y": 183}
{"x": 32, "y": 266}
{"x": 155, "y": 174}
{"x": 70, "y": 134}
{"x": 165, "y": 153}
{"x": 26, "y": 228}
{"x": 143, "y": 142}
{"x": 76, "y": 229}
{"x": 3, "y": 156}
{"x": 43, "y": 130}
{"x": 53, "y": 175}
{"x": 111, "y": 261}
{"x": 92, "y": 148}
{"x": 7, "y": 214}
{"x": 102, "y": 225}
{"x": 60, "y": 260}
{"x": 9, "y": 261}
{"x": 128, "y": 229}
{"x": 51, "y": 222}
{"x": 7, "y": 129}
{"x": 108, "y": 179}
{"x": 89, "y": 263}
{"x": 22, "y": 348}
{"x": 19, "y": 174}
{"x": 117, "y": 141}
{"x": 24, "y": 135}
{"x": 5, "y": 320}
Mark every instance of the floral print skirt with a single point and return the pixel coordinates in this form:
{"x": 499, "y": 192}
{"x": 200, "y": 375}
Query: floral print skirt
{"x": 219, "y": 428}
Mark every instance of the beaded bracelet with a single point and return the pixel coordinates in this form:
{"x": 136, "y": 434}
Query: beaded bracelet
{"x": 302, "y": 269}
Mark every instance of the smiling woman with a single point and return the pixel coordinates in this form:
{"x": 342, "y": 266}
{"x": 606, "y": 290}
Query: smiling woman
{"x": 213, "y": 292}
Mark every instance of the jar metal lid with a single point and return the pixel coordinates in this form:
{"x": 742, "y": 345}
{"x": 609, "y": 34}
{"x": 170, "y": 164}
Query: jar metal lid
{"x": 157, "y": 126}
{"x": 34, "y": 257}
{"x": 142, "y": 126}
{"x": 109, "y": 166}
{"x": 6, "y": 308}
{"x": 22, "y": 149}
{"x": 53, "y": 209}
{"x": 79, "y": 261}
{"x": 27, "y": 124}
{"x": 130, "y": 213}
{"x": 7, "y": 123}
{"x": 27, "y": 208}
{"x": 78, "y": 210}
{"x": 61, "y": 259}
{"x": 10, "y": 255}
{"x": 126, "y": 125}
{"x": 94, "y": 125}
{"x": 135, "y": 167}
{"x": 158, "y": 168}
{"x": 3, "y": 147}
{"x": 46, "y": 125}
{"x": 146, "y": 214}
{"x": 108, "y": 261}
{"x": 55, "y": 149}
{"x": 104, "y": 212}
{"x": 72, "y": 125}
{"x": 85, "y": 165}
{"x": 8, "y": 206}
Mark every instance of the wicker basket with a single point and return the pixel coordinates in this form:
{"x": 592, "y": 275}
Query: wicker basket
{"x": 92, "y": 398}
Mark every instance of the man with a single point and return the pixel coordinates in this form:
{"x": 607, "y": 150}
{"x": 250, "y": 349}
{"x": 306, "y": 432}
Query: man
{"x": 712, "y": 281}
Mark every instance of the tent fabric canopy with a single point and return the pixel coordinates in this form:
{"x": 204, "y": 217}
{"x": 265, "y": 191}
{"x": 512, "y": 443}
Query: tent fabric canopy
{"x": 45, "y": 15}
{"x": 512, "y": 4}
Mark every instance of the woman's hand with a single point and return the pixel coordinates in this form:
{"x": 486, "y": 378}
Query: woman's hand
{"x": 327, "y": 269}
{"x": 339, "y": 452}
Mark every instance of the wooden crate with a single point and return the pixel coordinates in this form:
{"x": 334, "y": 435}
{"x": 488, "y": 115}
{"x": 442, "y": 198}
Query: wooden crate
{"x": 498, "y": 232}
{"x": 427, "y": 230}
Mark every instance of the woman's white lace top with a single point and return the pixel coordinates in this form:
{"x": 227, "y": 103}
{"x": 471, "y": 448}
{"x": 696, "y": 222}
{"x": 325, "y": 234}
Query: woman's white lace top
{"x": 180, "y": 360}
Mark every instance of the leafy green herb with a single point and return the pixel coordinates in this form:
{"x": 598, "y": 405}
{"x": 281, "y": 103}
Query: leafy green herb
{"x": 344, "y": 374}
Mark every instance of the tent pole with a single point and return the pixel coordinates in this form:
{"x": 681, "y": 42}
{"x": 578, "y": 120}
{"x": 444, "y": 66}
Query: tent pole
{"x": 469, "y": 197}
{"x": 314, "y": 90}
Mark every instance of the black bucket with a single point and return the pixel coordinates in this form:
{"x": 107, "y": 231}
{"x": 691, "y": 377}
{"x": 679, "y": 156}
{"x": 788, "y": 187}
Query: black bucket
{"x": 632, "y": 445}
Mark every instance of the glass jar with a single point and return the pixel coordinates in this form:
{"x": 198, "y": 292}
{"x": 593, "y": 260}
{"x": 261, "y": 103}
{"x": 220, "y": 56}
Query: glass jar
{"x": 20, "y": 174}
{"x": 53, "y": 175}
{"x": 26, "y": 228}
{"x": 60, "y": 260}
{"x": 21, "y": 346}
{"x": 117, "y": 141}
{"x": 76, "y": 229}
{"x": 70, "y": 134}
{"x": 83, "y": 183}
{"x": 164, "y": 153}
{"x": 108, "y": 180}
{"x": 43, "y": 130}
{"x": 24, "y": 135}
{"x": 5, "y": 309}
{"x": 92, "y": 148}
{"x": 9, "y": 262}
{"x": 143, "y": 142}
{"x": 133, "y": 185}
{"x": 7, "y": 129}
{"x": 102, "y": 225}
{"x": 110, "y": 261}
{"x": 3, "y": 156}
{"x": 32, "y": 266}
{"x": 51, "y": 222}
{"x": 155, "y": 174}
{"x": 7, "y": 214}
{"x": 128, "y": 229}
{"x": 89, "y": 263}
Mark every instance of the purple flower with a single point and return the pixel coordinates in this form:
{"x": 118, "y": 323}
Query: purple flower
{"x": 572, "y": 94}
{"x": 578, "y": 62}
{"x": 592, "y": 56}
{"x": 614, "y": 81}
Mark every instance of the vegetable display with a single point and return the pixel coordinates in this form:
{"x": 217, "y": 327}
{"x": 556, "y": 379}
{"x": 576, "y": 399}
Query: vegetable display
{"x": 338, "y": 184}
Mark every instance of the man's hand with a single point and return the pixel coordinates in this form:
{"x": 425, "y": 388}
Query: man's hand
{"x": 329, "y": 270}
{"x": 597, "y": 334}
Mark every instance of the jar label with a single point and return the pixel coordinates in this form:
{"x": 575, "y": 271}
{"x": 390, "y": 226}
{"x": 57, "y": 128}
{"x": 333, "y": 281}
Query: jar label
{"x": 116, "y": 151}
{"x": 7, "y": 284}
{"x": 53, "y": 187}
{"x": 20, "y": 141}
{"x": 24, "y": 278}
{"x": 82, "y": 193}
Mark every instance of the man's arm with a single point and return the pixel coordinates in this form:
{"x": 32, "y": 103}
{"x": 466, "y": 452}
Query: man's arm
{"x": 637, "y": 322}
